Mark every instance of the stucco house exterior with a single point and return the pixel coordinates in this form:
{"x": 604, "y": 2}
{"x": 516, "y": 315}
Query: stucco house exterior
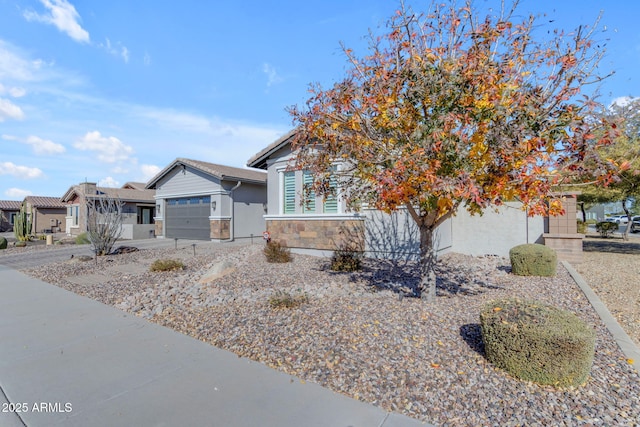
{"x": 8, "y": 211}
{"x": 138, "y": 210}
{"x": 321, "y": 226}
{"x": 49, "y": 214}
{"x": 206, "y": 201}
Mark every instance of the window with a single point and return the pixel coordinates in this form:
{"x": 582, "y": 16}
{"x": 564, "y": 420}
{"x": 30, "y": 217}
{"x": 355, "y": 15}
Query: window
{"x": 145, "y": 215}
{"x": 289, "y": 192}
{"x": 309, "y": 195}
{"x": 330, "y": 204}
{"x": 12, "y": 218}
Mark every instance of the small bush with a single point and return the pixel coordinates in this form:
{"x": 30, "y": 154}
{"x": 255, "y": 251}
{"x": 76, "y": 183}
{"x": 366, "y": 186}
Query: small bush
{"x": 82, "y": 239}
{"x": 277, "y": 253}
{"x": 532, "y": 259}
{"x": 347, "y": 258}
{"x": 3, "y": 243}
{"x": 537, "y": 342}
{"x": 167, "y": 265}
{"x": 582, "y": 227}
{"x": 282, "y": 299}
{"x": 606, "y": 228}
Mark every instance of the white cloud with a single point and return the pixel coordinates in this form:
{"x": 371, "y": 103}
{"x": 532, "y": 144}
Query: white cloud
{"x": 108, "y": 182}
{"x": 43, "y": 147}
{"x": 272, "y": 75}
{"x": 118, "y": 50}
{"x": 17, "y": 193}
{"x": 23, "y": 172}
{"x": 147, "y": 59}
{"x": 16, "y": 92}
{"x": 623, "y": 101}
{"x": 9, "y": 110}
{"x": 63, "y": 16}
{"x": 109, "y": 149}
{"x": 9, "y": 137}
{"x": 177, "y": 120}
{"x": 149, "y": 171}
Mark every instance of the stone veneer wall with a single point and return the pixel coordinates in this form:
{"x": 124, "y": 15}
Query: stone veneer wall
{"x": 220, "y": 229}
{"x": 562, "y": 234}
{"x": 158, "y": 228}
{"x": 325, "y": 234}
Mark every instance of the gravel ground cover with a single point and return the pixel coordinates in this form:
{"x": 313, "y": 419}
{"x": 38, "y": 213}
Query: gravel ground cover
{"x": 359, "y": 336}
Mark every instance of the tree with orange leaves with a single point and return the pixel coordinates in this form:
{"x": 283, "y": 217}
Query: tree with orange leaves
{"x": 451, "y": 110}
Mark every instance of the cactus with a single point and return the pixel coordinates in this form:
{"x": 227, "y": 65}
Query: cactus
{"x": 22, "y": 225}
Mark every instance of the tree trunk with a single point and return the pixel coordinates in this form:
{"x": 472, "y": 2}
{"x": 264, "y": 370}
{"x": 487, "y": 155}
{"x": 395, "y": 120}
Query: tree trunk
{"x": 625, "y": 235}
{"x": 427, "y": 287}
{"x": 584, "y": 214}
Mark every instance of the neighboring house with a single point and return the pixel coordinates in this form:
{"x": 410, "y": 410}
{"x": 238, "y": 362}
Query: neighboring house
{"x": 8, "y": 211}
{"x": 138, "y": 209}
{"x": 311, "y": 224}
{"x": 135, "y": 185}
{"x": 206, "y": 201}
{"x": 49, "y": 214}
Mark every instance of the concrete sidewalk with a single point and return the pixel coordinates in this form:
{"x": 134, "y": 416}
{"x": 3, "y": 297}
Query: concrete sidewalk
{"x": 66, "y": 360}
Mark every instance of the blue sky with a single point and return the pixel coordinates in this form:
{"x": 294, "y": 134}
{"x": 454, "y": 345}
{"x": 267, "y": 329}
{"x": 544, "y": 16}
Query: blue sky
{"x": 113, "y": 91}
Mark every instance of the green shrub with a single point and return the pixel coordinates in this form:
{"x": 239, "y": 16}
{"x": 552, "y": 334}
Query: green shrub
{"x": 282, "y": 299}
{"x": 347, "y": 258}
{"x": 582, "y": 227}
{"x": 606, "y": 228}
{"x": 166, "y": 265}
{"x": 276, "y": 252}
{"x": 82, "y": 239}
{"x": 532, "y": 259}
{"x": 3, "y": 243}
{"x": 537, "y": 342}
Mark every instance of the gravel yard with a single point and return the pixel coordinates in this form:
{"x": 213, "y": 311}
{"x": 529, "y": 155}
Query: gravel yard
{"x": 356, "y": 335}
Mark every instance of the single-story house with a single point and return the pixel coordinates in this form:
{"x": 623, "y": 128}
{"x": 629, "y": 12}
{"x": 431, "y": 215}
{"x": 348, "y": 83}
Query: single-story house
{"x": 138, "y": 209}
{"x": 206, "y": 201}
{"x": 8, "y": 211}
{"x": 320, "y": 226}
{"x": 49, "y": 214}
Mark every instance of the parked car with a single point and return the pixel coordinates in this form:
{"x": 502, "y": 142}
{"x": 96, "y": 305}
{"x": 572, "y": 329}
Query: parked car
{"x": 618, "y": 219}
{"x": 635, "y": 224}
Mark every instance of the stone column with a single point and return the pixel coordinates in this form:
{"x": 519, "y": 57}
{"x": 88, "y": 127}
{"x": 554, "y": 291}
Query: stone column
{"x": 561, "y": 232}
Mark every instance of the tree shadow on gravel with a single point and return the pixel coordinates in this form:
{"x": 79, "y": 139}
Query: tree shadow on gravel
{"x": 611, "y": 246}
{"x": 403, "y": 278}
{"x": 471, "y": 333}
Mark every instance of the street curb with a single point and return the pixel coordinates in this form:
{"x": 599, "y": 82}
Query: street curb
{"x": 623, "y": 340}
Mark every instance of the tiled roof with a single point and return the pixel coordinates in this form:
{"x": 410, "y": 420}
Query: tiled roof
{"x": 219, "y": 171}
{"x": 259, "y": 159}
{"x": 45, "y": 202}
{"x": 10, "y": 205}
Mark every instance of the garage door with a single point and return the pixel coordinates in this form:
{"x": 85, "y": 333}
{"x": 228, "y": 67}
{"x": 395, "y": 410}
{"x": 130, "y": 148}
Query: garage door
{"x": 188, "y": 218}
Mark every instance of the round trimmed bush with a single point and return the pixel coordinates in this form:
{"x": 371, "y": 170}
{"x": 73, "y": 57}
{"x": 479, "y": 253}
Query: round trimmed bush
{"x": 537, "y": 342}
{"x": 3, "y": 243}
{"x": 532, "y": 259}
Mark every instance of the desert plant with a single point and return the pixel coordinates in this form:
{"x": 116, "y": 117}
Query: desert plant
{"x": 282, "y": 299}
{"x": 346, "y": 258}
{"x": 606, "y": 228}
{"x": 104, "y": 223}
{"x": 582, "y": 227}
{"x": 167, "y": 265}
{"x": 532, "y": 259}
{"x": 3, "y": 243}
{"x": 537, "y": 342}
{"x": 22, "y": 224}
{"x": 276, "y": 252}
{"x": 82, "y": 239}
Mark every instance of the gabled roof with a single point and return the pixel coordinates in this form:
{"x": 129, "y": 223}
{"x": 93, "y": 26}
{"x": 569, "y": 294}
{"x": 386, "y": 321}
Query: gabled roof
{"x": 10, "y": 205}
{"x": 135, "y": 185}
{"x": 123, "y": 194}
{"x": 223, "y": 173}
{"x": 45, "y": 202}
{"x": 260, "y": 159}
